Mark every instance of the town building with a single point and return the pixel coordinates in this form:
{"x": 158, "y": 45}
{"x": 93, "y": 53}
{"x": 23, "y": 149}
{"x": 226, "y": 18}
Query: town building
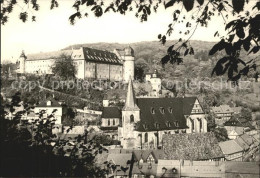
{"x": 223, "y": 113}
{"x": 110, "y": 121}
{"x": 232, "y": 150}
{"x": 146, "y": 120}
{"x": 90, "y": 63}
{"x": 156, "y": 83}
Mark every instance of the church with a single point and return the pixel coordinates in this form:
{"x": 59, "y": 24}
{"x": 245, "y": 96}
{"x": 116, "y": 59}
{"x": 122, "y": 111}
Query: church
{"x": 90, "y": 63}
{"x": 143, "y": 121}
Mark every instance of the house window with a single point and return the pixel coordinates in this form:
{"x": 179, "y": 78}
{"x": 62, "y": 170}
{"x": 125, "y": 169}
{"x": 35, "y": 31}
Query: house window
{"x": 108, "y": 122}
{"x": 170, "y": 110}
{"x": 132, "y": 118}
{"x": 176, "y": 123}
{"x": 168, "y": 124}
{"x": 146, "y": 137}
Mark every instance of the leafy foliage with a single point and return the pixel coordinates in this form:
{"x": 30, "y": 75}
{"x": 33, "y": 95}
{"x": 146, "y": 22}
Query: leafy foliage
{"x": 31, "y": 148}
{"x": 64, "y": 67}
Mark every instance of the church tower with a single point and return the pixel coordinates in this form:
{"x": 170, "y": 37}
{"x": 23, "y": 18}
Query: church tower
{"x": 130, "y": 116}
{"x": 128, "y": 64}
{"x": 21, "y": 63}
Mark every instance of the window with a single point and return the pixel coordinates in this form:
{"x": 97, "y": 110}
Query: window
{"x": 200, "y": 122}
{"x": 162, "y": 110}
{"x": 168, "y": 124}
{"x": 192, "y": 125}
{"x": 132, "y": 118}
{"x": 114, "y": 122}
{"x": 108, "y": 122}
{"x": 170, "y": 109}
{"x": 152, "y": 111}
{"x": 157, "y": 125}
{"x": 146, "y": 137}
{"x": 176, "y": 123}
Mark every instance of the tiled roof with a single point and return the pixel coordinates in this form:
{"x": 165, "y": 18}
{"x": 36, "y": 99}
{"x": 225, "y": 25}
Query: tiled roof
{"x": 100, "y": 56}
{"x": 222, "y": 109}
{"x": 196, "y": 146}
{"x": 48, "y": 55}
{"x": 111, "y": 112}
{"x": 239, "y": 122}
{"x": 143, "y": 154}
{"x": 123, "y": 160}
{"x": 164, "y": 113}
{"x": 248, "y": 139}
{"x": 242, "y": 143}
{"x": 230, "y": 147}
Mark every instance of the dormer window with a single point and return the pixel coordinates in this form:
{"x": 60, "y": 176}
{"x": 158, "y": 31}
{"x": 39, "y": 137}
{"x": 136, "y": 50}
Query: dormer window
{"x": 168, "y": 124}
{"x": 152, "y": 111}
{"x": 170, "y": 109}
{"x": 145, "y": 126}
{"x": 157, "y": 125}
{"x": 162, "y": 110}
{"x": 176, "y": 123}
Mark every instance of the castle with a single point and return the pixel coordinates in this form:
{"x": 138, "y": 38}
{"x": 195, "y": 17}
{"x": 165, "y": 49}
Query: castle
{"x": 143, "y": 121}
{"x": 90, "y": 63}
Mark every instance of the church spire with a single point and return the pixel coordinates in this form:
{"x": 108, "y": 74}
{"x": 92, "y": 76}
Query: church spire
{"x": 130, "y": 97}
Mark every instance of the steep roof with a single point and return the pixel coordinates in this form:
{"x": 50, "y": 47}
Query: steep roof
{"x": 111, "y": 112}
{"x": 239, "y": 122}
{"x": 195, "y": 146}
{"x": 143, "y": 154}
{"x": 230, "y": 147}
{"x": 120, "y": 160}
{"x": 130, "y": 103}
{"x": 164, "y": 113}
{"x": 101, "y": 56}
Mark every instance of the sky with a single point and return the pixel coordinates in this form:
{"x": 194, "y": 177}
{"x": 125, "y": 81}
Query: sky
{"x": 52, "y": 30}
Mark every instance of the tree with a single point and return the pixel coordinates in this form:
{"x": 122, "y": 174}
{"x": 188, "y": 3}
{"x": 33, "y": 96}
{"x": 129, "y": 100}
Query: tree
{"x": 141, "y": 68}
{"x": 31, "y": 148}
{"x": 221, "y": 134}
{"x": 246, "y": 114}
{"x": 64, "y": 67}
{"x": 243, "y": 30}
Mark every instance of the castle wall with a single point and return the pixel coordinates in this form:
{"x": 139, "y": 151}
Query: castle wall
{"x": 102, "y": 71}
{"x": 90, "y": 70}
{"x": 116, "y": 72}
{"x": 39, "y": 66}
{"x": 80, "y": 65}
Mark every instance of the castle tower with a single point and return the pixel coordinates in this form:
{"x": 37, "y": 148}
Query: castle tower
{"x": 21, "y": 63}
{"x": 128, "y": 64}
{"x": 130, "y": 116}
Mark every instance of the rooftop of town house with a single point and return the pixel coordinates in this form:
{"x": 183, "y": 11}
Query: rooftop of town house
{"x": 195, "y": 146}
{"x": 111, "y": 112}
{"x": 230, "y": 147}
